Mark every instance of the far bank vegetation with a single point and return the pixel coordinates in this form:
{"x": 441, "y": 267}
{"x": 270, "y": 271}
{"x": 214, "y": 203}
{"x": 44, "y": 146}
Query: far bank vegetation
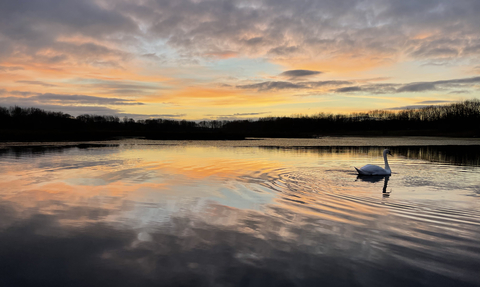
{"x": 32, "y": 124}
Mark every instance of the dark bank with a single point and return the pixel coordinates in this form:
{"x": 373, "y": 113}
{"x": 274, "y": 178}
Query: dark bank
{"x": 33, "y": 124}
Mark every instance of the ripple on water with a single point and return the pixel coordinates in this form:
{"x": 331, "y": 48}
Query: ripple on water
{"x": 240, "y": 216}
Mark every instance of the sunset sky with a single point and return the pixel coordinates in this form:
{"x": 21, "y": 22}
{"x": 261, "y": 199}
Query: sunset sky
{"x": 220, "y": 59}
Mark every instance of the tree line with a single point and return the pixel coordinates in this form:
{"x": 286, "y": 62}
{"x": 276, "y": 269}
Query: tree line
{"x": 456, "y": 119}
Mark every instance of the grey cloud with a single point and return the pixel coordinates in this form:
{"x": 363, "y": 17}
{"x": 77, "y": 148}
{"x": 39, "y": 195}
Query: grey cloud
{"x": 319, "y": 84}
{"x": 436, "y": 52}
{"x": 267, "y": 86}
{"x": 369, "y": 88}
{"x": 299, "y": 73}
{"x": 83, "y": 99}
{"x": 155, "y": 57}
{"x": 250, "y": 114}
{"x": 417, "y": 87}
{"x": 472, "y": 49}
{"x": 21, "y": 93}
{"x": 430, "y": 86}
{"x": 282, "y": 85}
{"x": 459, "y": 92}
{"x": 39, "y": 83}
{"x": 437, "y": 48}
{"x": 20, "y": 18}
{"x": 243, "y": 114}
{"x": 383, "y": 28}
{"x": 348, "y": 89}
{"x": 255, "y": 41}
{"x": 169, "y": 115}
{"x": 59, "y": 99}
{"x": 283, "y": 50}
{"x": 88, "y": 49}
{"x": 460, "y": 81}
{"x": 89, "y": 53}
{"x": 342, "y": 26}
{"x": 372, "y": 88}
{"x": 411, "y": 87}
{"x": 119, "y": 87}
{"x": 10, "y": 68}
{"x": 28, "y": 26}
{"x": 434, "y": 102}
{"x": 111, "y": 84}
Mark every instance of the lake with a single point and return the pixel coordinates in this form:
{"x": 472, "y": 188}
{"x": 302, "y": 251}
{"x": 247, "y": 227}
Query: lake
{"x": 260, "y": 212}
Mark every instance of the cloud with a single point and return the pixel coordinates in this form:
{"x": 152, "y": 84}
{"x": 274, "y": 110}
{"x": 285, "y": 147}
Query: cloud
{"x": 82, "y": 99}
{"x": 10, "y": 68}
{"x": 459, "y": 92}
{"x": 242, "y": 114}
{"x": 370, "y": 88}
{"x": 435, "y": 85}
{"x": 348, "y": 89}
{"x": 27, "y": 99}
{"x": 250, "y": 114}
{"x": 283, "y": 85}
{"x": 21, "y": 93}
{"x": 274, "y": 29}
{"x": 293, "y": 74}
{"x": 417, "y": 87}
{"x": 119, "y": 86}
{"x": 34, "y": 30}
{"x": 43, "y": 84}
{"x": 139, "y": 47}
{"x": 385, "y": 88}
{"x": 266, "y": 86}
{"x": 434, "y": 102}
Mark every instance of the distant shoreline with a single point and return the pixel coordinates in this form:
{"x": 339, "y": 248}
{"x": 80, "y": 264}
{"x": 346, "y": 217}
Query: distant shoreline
{"x": 33, "y": 124}
{"x": 35, "y": 136}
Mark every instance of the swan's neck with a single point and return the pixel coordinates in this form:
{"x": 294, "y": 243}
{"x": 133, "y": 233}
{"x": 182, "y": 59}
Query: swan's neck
{"x": 387, "y": 167}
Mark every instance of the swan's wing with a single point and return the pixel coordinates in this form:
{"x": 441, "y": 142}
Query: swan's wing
{"x": 359, "y": 171}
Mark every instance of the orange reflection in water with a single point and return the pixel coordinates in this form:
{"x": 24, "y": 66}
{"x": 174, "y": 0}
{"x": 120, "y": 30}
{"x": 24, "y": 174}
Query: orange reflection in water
{"x": 315, "y": 182}
{"x": 297, "y": 206}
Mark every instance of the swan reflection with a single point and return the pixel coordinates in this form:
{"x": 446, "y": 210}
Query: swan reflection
{"x": 375, "y": 179}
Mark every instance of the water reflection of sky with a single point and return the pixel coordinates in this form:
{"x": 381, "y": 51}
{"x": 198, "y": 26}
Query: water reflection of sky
{"x": 204, "y": 215}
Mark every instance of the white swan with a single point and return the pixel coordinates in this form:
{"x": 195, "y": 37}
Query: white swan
{"x": 370, "y": 169}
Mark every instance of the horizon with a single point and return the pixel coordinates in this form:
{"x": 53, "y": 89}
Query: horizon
{"x": 234, "y": 60}
{"x": 370, "y": 113}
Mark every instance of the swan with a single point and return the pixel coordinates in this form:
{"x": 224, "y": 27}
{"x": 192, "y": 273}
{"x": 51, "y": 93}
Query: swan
{"x": 370, "y": 169}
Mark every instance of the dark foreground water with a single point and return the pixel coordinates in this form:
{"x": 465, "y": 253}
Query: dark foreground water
{"x": 137, "y": 213}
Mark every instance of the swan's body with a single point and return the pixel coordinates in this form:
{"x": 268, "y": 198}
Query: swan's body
{"x": 371, "y": 169}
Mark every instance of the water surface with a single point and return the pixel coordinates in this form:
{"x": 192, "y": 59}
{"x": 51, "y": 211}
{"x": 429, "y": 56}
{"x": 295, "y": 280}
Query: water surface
{"x": 247, "y": 213}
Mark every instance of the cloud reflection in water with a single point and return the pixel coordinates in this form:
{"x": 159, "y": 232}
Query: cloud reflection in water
{"x": 199, "y": 216}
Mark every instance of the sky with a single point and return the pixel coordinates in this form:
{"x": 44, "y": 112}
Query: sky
{"x": 221, "y": 59}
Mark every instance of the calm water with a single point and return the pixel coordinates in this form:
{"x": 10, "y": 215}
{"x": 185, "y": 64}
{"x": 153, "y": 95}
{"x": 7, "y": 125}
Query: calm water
{"x": 248, "y": 213}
